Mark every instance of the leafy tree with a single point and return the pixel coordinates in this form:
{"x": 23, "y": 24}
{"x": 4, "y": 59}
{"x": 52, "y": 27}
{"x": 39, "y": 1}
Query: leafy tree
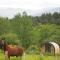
{"x": 22, "y": 27}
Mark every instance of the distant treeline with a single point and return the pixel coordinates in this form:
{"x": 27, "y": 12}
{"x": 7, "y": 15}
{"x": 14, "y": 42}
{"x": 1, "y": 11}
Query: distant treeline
{"x": 27, "y": 30}
{"x": 53, "y": 18}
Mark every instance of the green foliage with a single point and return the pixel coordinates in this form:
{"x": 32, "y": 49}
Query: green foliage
{"x": 48, "y": 18}
{"x": 25, "y": 43}
{"x": 45, "y": 32}
{"x": 33, "y": 50}
{"x": 28, "y": 30}
{"x": 10, "y": 38}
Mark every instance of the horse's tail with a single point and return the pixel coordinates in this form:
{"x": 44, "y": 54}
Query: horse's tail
{"x": 21, "y": 51}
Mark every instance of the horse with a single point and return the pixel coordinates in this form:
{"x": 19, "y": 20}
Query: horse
{"x": 11, "y": 50}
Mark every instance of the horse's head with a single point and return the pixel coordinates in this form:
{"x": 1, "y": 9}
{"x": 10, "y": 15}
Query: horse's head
{"x": 2, "y": 41}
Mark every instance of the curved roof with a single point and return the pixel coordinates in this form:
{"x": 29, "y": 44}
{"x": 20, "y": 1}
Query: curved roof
{"x": 56, "y": 46}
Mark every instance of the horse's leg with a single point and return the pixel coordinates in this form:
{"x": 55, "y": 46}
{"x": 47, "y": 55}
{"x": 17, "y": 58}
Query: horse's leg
{"x": 8, "y": 57}
{"x": 20, "y": 57}
{"x": 17, "y": 57}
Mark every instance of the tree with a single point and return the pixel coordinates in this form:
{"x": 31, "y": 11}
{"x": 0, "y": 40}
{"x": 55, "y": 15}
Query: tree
{"x": 4, "y": 25}
{"x": 22, "y": 27}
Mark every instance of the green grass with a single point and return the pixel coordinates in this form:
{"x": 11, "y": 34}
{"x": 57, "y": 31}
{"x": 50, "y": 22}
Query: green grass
{"x": 31, "y": 57}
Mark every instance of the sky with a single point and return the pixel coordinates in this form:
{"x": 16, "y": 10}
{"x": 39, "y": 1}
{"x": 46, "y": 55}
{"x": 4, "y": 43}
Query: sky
{"x": 31, "y": 5}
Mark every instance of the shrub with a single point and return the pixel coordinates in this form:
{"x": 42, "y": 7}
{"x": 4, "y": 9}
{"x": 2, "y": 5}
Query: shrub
{"x": 33, "y": 50}
{"x": 10, "y": 38}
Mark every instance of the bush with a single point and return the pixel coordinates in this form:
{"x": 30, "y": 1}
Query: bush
{"x": 10, "y": 38}
{"x": 33, "y": 50}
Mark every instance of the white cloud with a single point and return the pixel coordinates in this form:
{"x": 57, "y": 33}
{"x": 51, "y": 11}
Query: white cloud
{"x": 32, "y": 7}
{"x": 52, "y": 3}
{"x": 30, "y": 4}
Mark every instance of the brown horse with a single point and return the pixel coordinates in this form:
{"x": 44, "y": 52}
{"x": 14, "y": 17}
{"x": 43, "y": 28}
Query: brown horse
{"x": 11, "y": 50}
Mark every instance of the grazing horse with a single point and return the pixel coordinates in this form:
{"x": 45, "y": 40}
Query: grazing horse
{"x": 11, "y": 50}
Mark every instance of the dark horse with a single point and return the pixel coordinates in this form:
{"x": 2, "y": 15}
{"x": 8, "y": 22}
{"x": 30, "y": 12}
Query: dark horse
{"x": 11, "y": 50}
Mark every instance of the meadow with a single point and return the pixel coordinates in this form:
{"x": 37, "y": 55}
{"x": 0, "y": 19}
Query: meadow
{"x": 32, "y": 57}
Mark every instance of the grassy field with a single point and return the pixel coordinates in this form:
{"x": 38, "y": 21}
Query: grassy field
{"x": 32, "y": 57}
